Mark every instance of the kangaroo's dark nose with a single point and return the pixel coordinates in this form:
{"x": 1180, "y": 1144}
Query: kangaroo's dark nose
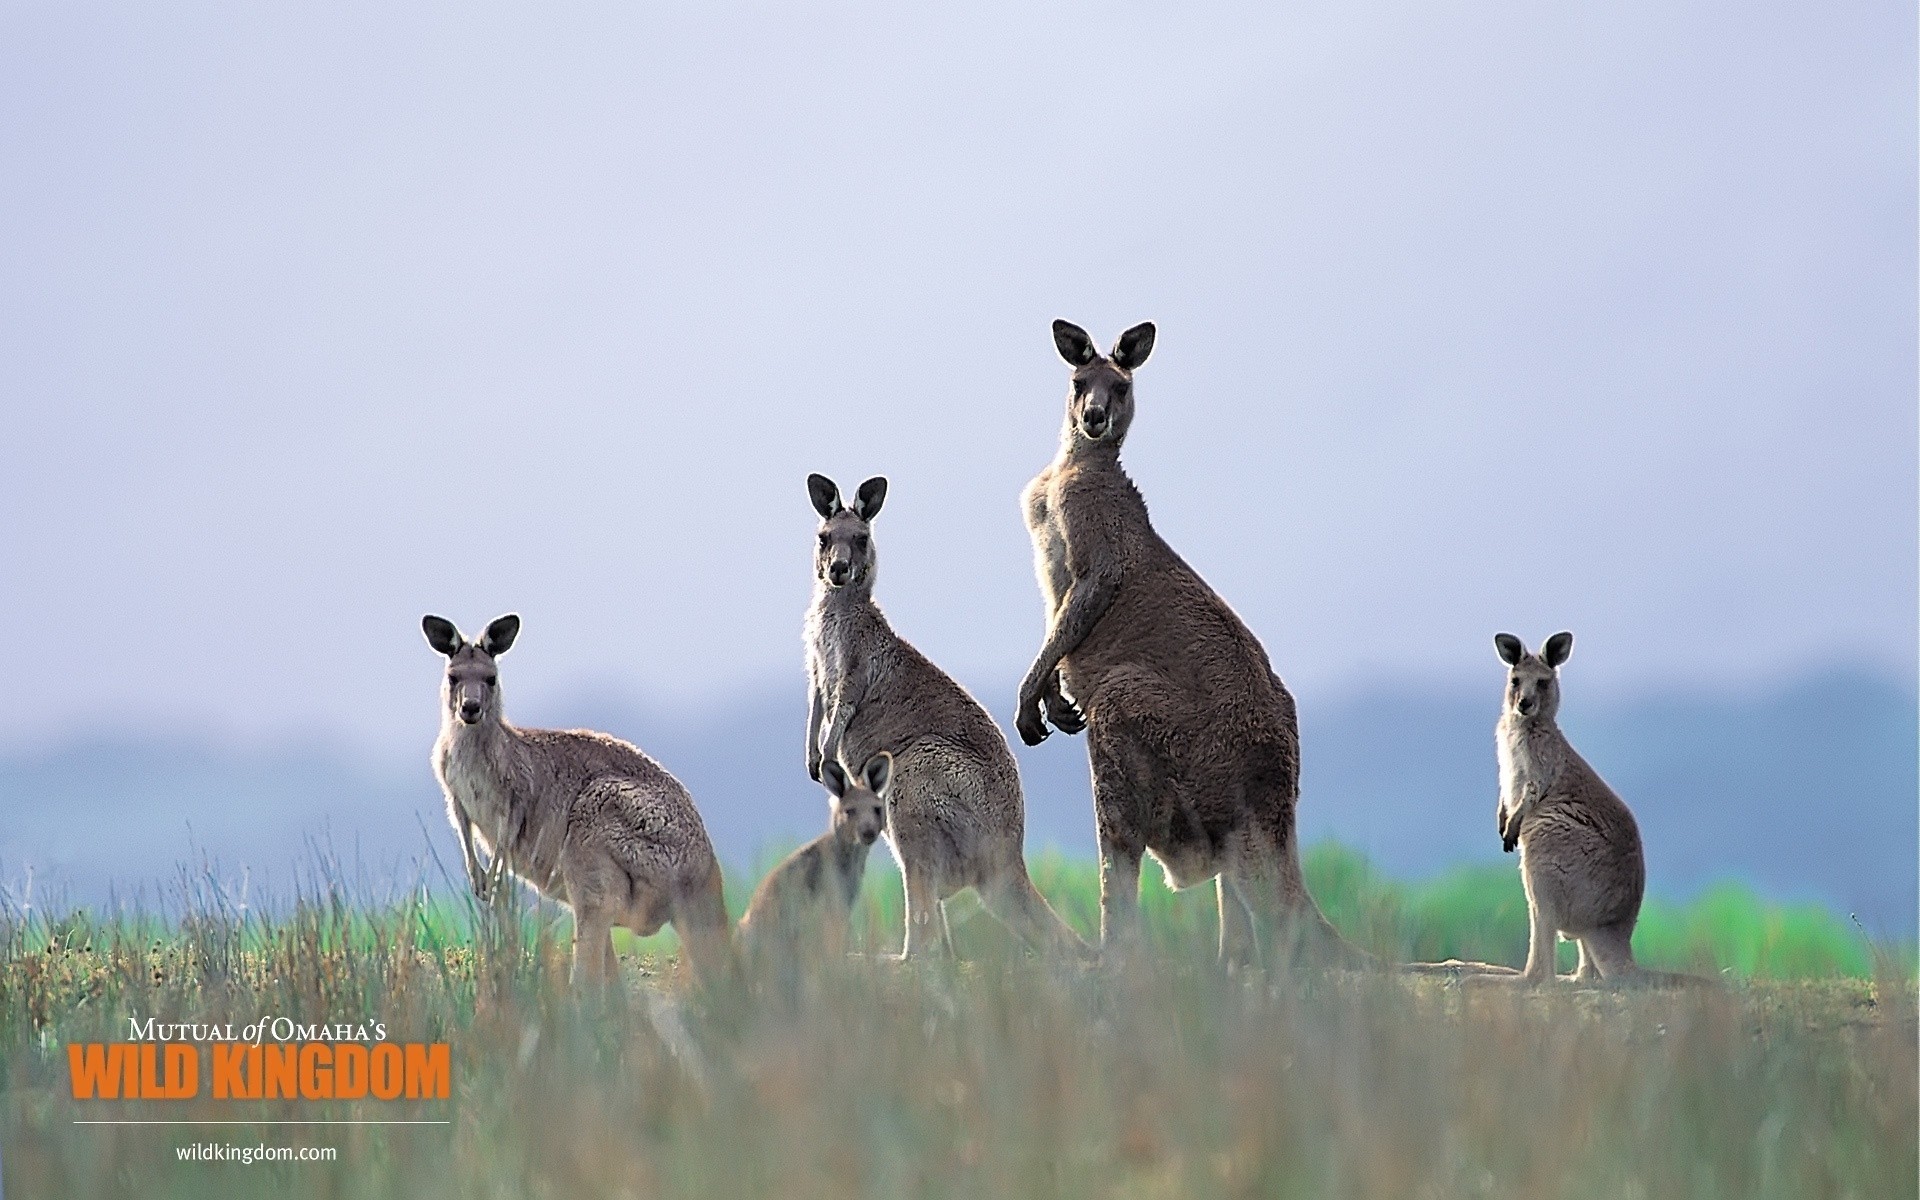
{"x": 838, "y": 572}
{"x": 1096, "y": 417}
{"x": 470, "y": 711}
{"x": 867, "y": 836}
{"x": 1526, "y": 707}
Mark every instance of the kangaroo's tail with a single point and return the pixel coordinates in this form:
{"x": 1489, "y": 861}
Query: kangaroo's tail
{"x": 1317, "y": 936}
{"x": 1665, "y": 979}
{"x": 1312, "y": 936}
{"x": 1022, "y": 908}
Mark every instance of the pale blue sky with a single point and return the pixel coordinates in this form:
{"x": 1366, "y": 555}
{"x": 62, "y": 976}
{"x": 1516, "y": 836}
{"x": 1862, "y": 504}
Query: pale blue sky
{"x": 1472, "y": 316}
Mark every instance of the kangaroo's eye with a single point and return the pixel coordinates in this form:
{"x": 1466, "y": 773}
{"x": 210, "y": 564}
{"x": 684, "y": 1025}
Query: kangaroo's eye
{"x": 491, "y": 680}
{"x": 825, "y": 537}
{"x": 860, "y": 543}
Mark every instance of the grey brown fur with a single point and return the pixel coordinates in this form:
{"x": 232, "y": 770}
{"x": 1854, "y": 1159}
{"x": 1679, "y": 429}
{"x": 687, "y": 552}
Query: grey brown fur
{"x": 955, "y": 818}
{"x": 1580, "y": 855}
{"x": 1192, "y": 738}
{"x": 810, "y": 895}
{"x": 584, "y": 818}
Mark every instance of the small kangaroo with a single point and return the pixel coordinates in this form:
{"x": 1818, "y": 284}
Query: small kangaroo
{"x": 1580, "y": 855}
{"x": 584, "y": 818}
{"x": 817, "y": 884}
{"x": 955, "y": 817}
{"x": 1192, "y": 738}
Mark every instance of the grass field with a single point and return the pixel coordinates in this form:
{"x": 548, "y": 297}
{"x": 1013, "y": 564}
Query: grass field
{"x": 1000, "y": 1074}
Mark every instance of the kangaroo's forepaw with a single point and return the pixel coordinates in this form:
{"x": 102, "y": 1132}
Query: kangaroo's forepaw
{"x": 1064, "y": 714}
{"x": 1031, "y": 726}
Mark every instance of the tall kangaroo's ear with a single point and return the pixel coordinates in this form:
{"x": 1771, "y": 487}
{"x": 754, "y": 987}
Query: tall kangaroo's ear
{"x": 442, "y": 635}
{"x": 1558, "y": 649}
{"x": 498, "y": 639}
{"x": 1075, "y": 346}
{"x": 834, "y": 776}
{"x": 872, "y": 494}
{"x": 1510, "y": 648}
{"x": 1134, "y": 346}
{"x": 879, "y": 773}
{"x": 825, "y": 494}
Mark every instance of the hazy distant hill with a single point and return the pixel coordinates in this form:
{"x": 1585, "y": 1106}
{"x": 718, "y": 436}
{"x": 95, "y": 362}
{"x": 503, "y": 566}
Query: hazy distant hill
{"x": 1808, "y": 791}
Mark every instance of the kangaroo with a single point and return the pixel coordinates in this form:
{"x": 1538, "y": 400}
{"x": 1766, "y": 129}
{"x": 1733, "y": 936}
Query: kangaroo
{"x": 1192, "y": 738}
{"x": 955, "y": 817}
{"x": 820, "y": 881}
{"x": 1580, "y": 857}
{"x": 584, "y": 818}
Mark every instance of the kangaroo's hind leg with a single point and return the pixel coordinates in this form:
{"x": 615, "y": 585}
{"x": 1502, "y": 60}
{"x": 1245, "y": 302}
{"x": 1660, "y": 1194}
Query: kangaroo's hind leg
{"x": 1586, "y": 972}
{"x": 592, "y": 947}
{"x": 926, "y": 919}
{"x": 1118, "y": 802}
{"x": 699, "y": 916}
{"x": 1542, "y": 922}
{"x": 1540, "y": 950}
{"x": 1239, "y": 939}
{"x": 1609, "y": 950}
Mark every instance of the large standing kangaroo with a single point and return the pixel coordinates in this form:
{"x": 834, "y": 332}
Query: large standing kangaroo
{"x": 1192, "y": 737}
{"x": 955, "y": 816}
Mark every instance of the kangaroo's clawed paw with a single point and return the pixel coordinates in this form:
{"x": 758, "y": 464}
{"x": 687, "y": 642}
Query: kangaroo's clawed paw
{"x": 1063, "y": 713}
{"x": 1031, "y": 725}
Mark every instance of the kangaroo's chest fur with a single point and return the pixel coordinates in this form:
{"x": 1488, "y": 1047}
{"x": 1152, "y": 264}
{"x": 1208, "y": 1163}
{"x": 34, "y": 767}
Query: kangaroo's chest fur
{"x": 1540, "y": 768}
{"x": 1046, "y": 527}
{"x": 842, "y": 641}
{"x": 490, "y": 782}
{"x": 1531, "y": 758}
{"x": 477, "y": 784}
{"x": 1084, "y": 514}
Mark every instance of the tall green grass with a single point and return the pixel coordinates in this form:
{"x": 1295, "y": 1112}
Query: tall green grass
{"x": 1000, "y": 1075}
{"x": 1469, "y": 912}
{"x": 1474, "y": 912}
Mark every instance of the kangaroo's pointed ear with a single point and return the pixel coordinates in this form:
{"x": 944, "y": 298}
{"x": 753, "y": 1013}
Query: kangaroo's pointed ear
{"x": 834, "y": 776}
{"x": 442, "y": 635}
{"x": 872, "y": 494}
{"x": 1075, "y": 346}
{"x": 498, "y": 639}
{"x": 825, "y": 494}
{"x": 878, "y": 773}
{"x": 1134, "y": 346}
{"x": 1558, "y": 649}
{"x": 1510, "y": 648}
